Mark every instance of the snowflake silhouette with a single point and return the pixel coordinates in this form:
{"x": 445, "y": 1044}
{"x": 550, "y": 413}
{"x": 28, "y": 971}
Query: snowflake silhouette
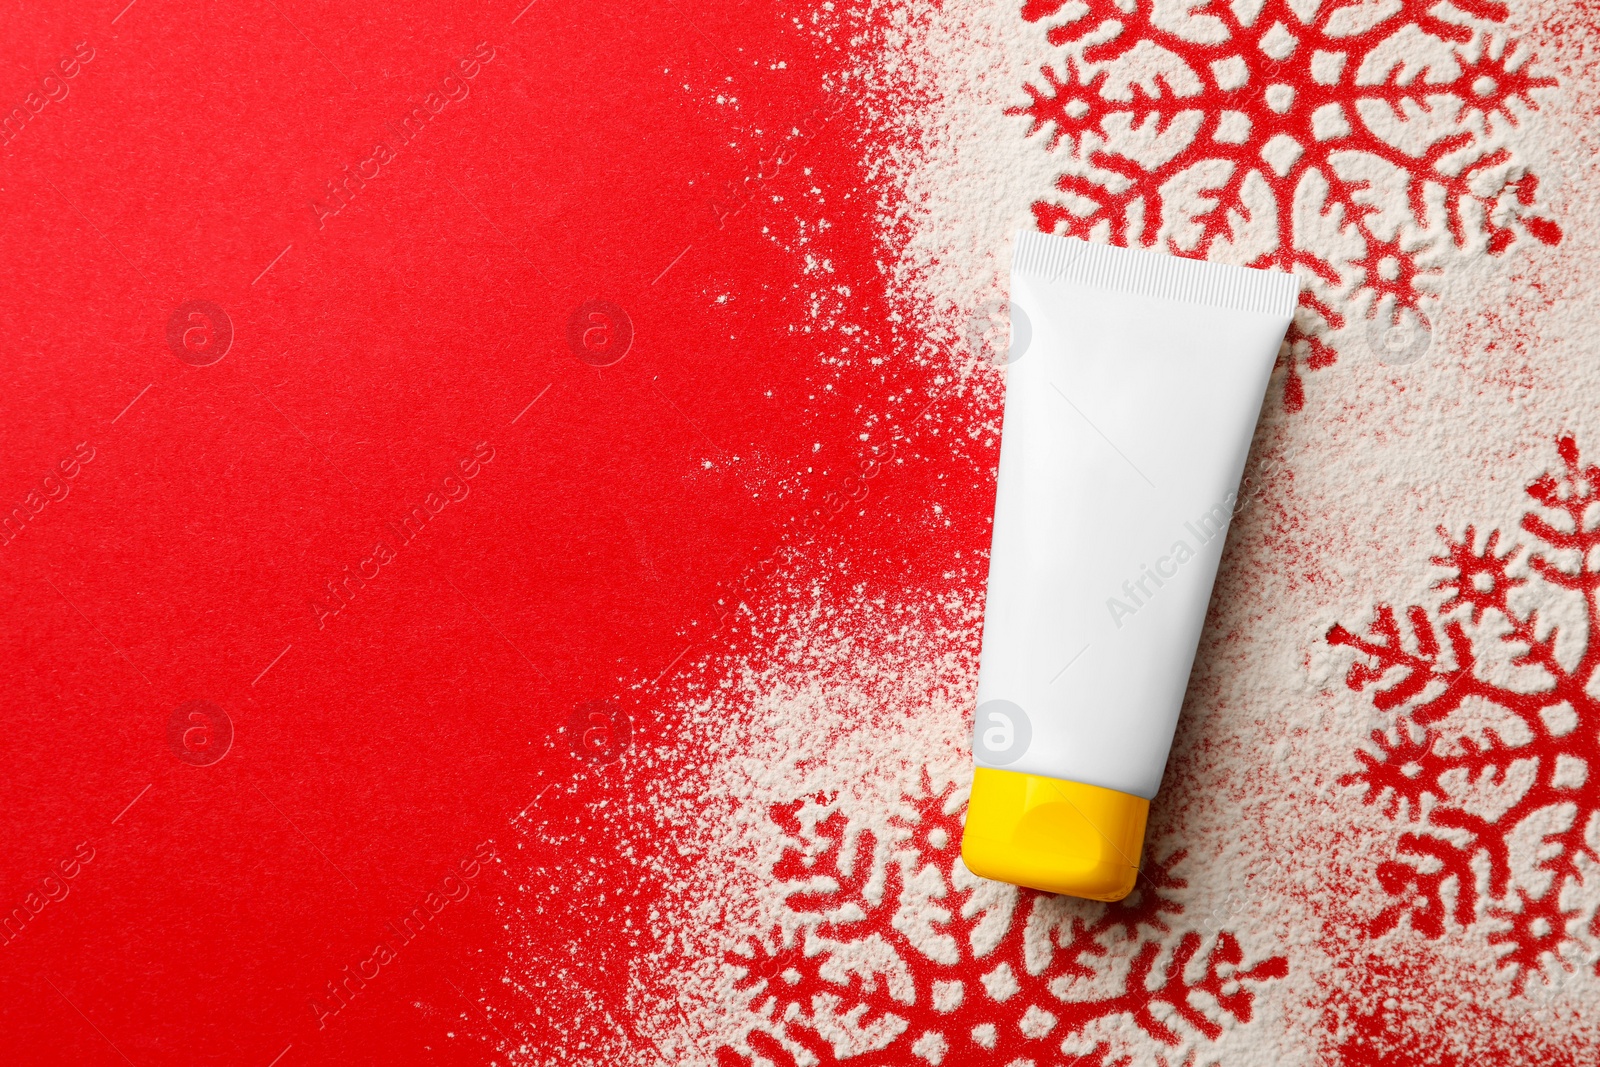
{"x": 1359, "y": 145}
{"x": 897, "y": 954}
{"x": 1444, "y": 769}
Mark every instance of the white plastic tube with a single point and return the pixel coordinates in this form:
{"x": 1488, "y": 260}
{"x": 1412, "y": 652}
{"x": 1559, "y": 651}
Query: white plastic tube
{"x": 1132, "y": 390}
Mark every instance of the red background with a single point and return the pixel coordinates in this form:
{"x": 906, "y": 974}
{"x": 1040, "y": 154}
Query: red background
{"x": 680, "y": 160}
{"x": 510, "y": 683}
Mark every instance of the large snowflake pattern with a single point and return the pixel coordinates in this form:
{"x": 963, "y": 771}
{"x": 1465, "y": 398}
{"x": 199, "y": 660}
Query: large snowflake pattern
{"x": 891, "y": 952}
{"x": 1495, "y": 735}
{"x": 1358, "y": 144}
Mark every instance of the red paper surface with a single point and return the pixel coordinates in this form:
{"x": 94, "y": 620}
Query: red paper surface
{"x": 598, "y": 154}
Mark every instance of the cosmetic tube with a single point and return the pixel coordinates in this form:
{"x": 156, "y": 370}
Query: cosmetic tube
{"x": 1133, "y": 383}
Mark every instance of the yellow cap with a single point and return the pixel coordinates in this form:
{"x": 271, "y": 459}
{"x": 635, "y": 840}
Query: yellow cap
{"x": 1054, "y": 835}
